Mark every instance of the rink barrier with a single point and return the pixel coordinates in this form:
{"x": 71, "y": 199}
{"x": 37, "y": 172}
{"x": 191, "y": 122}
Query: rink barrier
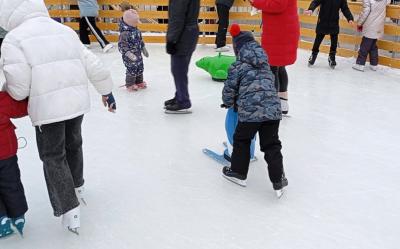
{"x": 154, "y": 30}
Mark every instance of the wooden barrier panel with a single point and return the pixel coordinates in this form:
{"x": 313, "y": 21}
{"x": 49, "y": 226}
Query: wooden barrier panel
{"x": 153, "y": 27}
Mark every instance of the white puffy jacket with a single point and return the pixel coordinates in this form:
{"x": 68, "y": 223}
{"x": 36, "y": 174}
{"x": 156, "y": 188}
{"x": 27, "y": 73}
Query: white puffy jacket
{"x": 372, "y": 18}
{"x": 45, "y": 61}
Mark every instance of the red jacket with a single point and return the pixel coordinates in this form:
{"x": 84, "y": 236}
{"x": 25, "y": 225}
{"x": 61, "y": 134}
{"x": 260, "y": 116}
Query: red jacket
{"x": 281, "y": 30}
{"x": 9, "y": 108}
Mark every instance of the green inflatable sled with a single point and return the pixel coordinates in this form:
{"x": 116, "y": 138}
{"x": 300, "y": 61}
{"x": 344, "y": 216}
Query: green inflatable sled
{"x": 216, "y": 66}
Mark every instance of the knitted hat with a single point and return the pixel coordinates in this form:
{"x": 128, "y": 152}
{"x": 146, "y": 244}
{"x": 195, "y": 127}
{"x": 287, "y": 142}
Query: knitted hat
{"x": 131, "y": 17}
{"x": 240, "y": 37}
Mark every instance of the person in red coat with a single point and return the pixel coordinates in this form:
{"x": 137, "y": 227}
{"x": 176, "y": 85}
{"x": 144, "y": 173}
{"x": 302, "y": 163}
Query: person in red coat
{"x": 280, "y": 38}
{"x": 13, "y": 204}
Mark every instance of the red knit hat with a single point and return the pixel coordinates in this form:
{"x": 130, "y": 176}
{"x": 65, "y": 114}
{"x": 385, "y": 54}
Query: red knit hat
{"x": 234, "y": 30}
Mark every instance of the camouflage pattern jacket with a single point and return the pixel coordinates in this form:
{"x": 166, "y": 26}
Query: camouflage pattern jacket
{"x": 131, "y": 45}
{"x": 250, "y": 86}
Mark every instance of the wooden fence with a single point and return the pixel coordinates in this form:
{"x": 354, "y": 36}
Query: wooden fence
{"x": 154, "y": 28}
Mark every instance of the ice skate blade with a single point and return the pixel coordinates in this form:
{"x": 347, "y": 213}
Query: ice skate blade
{"x": 241, "y": 183}
{"x": 74, "y": 231}
{"x": 310, "y": 65}
{"x": 183, "y": 111}
{"x": 279, "y": 193}
{"x": 82, "y": 200}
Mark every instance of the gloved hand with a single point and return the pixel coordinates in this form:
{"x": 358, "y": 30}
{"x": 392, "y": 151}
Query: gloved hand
{"x": 171, "y": 48}
{"x": 109, "y": 101}
{"x": 145, "y": 52}
{"x": 224, "y": 106}
{"x": 359, "y": 28}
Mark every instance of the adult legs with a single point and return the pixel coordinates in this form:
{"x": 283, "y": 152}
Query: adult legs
{"x": 73, "y": 148}
{"x": 223, "y": 23}
{"x": 51, "y": 142}
{"x": 179, "y": 68}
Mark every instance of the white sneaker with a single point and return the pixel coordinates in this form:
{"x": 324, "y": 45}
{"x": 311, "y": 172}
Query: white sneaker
{"x": 222, "y": 49}
{"x": 107, "y": 48}
{"x": 284, "y": 106}
{"x": 80, "y": 195}
{"x": 358, "y": 67}
{"x": 373, "y": 68}
{"x": 72, "y": 220}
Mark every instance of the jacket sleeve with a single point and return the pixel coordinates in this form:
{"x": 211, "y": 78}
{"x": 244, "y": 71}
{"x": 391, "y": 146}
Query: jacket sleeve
{"x": 11, "y": 108}
{"x": 271, "y": 6}
{"x": 231, "y": 86}
{"x": 346, "y": 11}
{"x": 176, "y": 19}
{"x": 366, "y": 10}
{"x": 17, "y": 71}
{"x": 314, "y": 4}
{"x": 98, "y": 75}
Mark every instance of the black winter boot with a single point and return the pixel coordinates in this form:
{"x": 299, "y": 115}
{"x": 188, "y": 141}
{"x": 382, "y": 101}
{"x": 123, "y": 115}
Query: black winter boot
{"x": 332, "y": 61}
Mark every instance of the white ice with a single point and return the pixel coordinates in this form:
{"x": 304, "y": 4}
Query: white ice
{"x": 149, "y": 186}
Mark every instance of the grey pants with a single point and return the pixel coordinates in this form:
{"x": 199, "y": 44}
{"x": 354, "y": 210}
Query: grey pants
{"x": 60, "y": 149}
{"x": 368, "y": 46}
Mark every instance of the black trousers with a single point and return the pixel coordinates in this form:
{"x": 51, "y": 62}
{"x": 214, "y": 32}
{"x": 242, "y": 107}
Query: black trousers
{"x": 318, "y": 40}
{"x": 60, "y": 149}
{"x": 269, "y": 144}
{"x": 12, "y": 195}
{"x": 223, "y": 23}
{"x": 179, "y": 69}
{"x": 88, "y": 24}
{"x": 1, "y": 42}
{"x": 368, "y": 46}
{"x": 281, "y": 78}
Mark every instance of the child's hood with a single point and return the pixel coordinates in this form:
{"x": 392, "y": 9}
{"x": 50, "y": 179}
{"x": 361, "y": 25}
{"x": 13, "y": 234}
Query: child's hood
{"x": 14, "y": 12}
{"x": 252, "y": 53}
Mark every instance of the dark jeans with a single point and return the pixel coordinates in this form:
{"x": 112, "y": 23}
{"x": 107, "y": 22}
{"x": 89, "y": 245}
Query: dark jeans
{"x": 368, "y": 46}
{"x": 86, "y": 24}
{"x": 12, "y": 196}
{"x": 179, "y": 68}
{"x": 223, "y": 23}
{"x": 281, "y": 78}
{"x": 269, "y": 144}
{"x": 318, "y": 40}
{"x": 131, "y": 79}
{"x": 60, "y": 149}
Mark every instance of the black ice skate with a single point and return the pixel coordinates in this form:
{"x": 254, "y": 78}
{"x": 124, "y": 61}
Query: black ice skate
{"x": 233, "y": 177}
{"x": 169, "y": 102}
{"x": 279, "y": 186}
{"x": 176, "y": 108}
{"x": 332, "y": 61}
{"x": 312, "y": 59}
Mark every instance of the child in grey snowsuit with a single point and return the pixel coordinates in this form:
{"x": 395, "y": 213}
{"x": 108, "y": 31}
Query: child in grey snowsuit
{"x": 131, "y": 46}
{"x": 251, "y": 90}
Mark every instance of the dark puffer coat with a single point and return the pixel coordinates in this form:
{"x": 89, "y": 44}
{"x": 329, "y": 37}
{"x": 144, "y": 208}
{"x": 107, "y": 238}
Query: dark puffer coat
{"x": 183, "y": 28}
{"x": 250, "y": 86}
{"x": 328, "y": 18}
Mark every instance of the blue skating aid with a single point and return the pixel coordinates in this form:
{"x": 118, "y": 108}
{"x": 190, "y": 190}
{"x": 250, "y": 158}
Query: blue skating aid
{"x": 216, "y": 157}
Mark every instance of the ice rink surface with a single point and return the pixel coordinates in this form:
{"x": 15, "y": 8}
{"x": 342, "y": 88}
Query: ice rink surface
{"x": 149, "y": 186}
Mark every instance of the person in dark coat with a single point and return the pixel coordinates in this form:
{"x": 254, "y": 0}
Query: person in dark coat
{"x": 13, "y": 204}
{"x": 182, "y": 37}
{"x": 250, "y": 88}
{"x": 223, "y": 7}
{"x": 328, "y": 24}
